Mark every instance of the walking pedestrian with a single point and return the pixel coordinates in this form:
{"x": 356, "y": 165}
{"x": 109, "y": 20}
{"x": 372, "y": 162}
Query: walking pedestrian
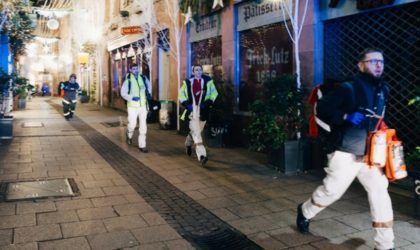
{"x": 135, "y": 91}
{"x": 71, "y": 88}
{"x": 197, "y": 95}
{"x": 344, "y": 109}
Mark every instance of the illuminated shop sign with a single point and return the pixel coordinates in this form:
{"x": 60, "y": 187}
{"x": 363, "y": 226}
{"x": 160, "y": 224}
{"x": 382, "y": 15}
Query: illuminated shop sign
{"x": 251, "y": 14}
{"x": 207, "y": 27}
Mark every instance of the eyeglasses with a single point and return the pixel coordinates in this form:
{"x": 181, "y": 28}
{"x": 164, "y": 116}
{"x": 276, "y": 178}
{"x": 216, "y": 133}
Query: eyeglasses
{"x": 375, "y": 61}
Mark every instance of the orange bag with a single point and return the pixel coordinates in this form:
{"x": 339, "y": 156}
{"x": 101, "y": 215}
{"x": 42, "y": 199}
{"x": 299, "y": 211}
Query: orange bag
{"x": 384, "y": 149}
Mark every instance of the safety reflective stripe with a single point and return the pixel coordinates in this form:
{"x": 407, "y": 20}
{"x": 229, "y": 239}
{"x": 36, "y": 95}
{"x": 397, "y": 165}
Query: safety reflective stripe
{"x": 318, "y": 121}
{"x": 322, "y": 124}
{"x": 183, "y": 115}
{"x": 74, "y": 101}
{"x": 66, "y": 114}
{"x": 211, "y": 91}
{"x": 199, "y": 144}
{"x": 65, "y": 101}
{"x": 387, "y": 224}
{"x": 316, "y": 204}
{"x": 183, "y": 94}
{"x": 138, "y": 89}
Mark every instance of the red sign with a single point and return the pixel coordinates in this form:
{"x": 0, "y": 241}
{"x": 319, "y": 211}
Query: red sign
{"x": 131, "y": 30}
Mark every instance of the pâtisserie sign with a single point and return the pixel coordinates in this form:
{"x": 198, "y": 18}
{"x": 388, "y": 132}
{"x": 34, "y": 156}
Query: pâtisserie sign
{"x": 251, "y": 14}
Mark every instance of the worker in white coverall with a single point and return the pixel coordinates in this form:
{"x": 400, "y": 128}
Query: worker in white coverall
{"x": 197, "y": 95}
{"x": 135, "y": 90}
{"x": 344, "y": 109}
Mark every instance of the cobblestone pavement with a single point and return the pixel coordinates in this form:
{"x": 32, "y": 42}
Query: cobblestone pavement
{"x": 164, "y": 199}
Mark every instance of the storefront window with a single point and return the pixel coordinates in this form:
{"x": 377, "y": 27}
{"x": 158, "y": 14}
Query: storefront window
{"x": 265, "y": 52}
{"x": 208, "y": 53}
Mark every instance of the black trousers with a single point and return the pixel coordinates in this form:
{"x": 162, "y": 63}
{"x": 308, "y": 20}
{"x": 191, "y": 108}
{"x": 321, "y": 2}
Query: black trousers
{"x": 69, "y": 108}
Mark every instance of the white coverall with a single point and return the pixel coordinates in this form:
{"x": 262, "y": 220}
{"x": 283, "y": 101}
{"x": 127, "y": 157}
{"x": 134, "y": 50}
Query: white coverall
{"x": 343, "y": 168}
{"x": 196, "y": 129}
{"x": 136, "y": 109}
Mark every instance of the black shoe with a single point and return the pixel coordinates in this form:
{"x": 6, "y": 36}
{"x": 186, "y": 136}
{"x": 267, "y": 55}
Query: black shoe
{"x": 188, "y": 150}
{"x": 144, "y": 150}
{"x": 129, "y": 141}
{"x": 301, "y": 222}
{"x": 203, "y": 160}
{"x": 67, "y": 118}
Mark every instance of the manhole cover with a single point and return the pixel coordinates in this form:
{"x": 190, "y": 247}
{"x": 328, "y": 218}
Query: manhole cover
{"x": 112, "y": 124}
{"x": 40, "y": 189}
{"x": 33, "y": 125}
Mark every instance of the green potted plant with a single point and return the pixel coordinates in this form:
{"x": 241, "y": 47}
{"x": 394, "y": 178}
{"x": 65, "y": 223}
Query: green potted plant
{"x": 276, "y": 123}
{"x": 21, "y": 91}
{"x": 6, "y": 119}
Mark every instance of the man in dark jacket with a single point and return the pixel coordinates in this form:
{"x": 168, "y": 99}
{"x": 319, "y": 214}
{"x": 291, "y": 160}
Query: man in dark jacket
{"x": 352, "y": 110}
{"x": 71, "y": 88}
{"x": 197, "y": 95}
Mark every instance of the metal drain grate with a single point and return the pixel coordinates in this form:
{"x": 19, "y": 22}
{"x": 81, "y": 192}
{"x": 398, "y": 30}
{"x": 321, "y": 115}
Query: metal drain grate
{"x": 32, "y": 125}
{"x": 38, "y": 189}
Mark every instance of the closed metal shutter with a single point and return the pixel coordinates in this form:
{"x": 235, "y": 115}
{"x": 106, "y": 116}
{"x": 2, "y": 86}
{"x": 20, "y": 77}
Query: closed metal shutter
{"x": 396, "y": 30}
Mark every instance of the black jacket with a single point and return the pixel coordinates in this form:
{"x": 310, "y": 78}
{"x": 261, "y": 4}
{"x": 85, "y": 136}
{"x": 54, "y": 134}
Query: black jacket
{"x": 364, "y": 92}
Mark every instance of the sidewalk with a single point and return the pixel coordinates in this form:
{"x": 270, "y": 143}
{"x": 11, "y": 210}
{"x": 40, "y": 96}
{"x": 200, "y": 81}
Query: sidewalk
{"x": 165, "y": 199}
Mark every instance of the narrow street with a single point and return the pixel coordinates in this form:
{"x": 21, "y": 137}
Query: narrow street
{"x": 126, "y": 199}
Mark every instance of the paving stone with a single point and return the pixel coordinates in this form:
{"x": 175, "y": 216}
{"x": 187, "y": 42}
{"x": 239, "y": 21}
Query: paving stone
{"x": 37, "y": 233}
{"x": 109, "y": 201}
{"x": 96, "y": 213}
{"x": 341, "y": 243}
{"x": 248, "y": 210}
{"x": 6, "y": 237}
{"x": 96, "y": 184}
{"x": 152, "y": 246}
{"x": 79, "y": 243}
{"x": 61, "y": 173}
{"x": 179, "y": 245}
{"x": 133, "y": 208}
{"x": 73, "y": 204}
{"x": 35, "y": 207}
{"x": 120, "y": 190}
{"x": 155, "y": 234}
{"x": 74, "y": 229}
{"x": 57, "y": 217}
{"x": 218, "y": 202}
{"x": 215, "y": 192}
{"x": 134, "y": 198}
{"x": 252, "y": 225}
{"x": 407, "y": 231}
{"x": 27, "y": 246}
{"x": 153, "y": 219}
{"x": 278, "y": 205}
{"x": 113, "y": 240}
{"x": 124, "y": 223}
{"x": 188, "y": 186}
{"x": 293, "y": 238}
{"x": 195, "y": 195}
{"x": 225, "y": 214}
{"x": 267, "y": 242}
{"x": 90, "y": 193}
{"x": 7, "y": 208}
{"x": 360, "y": 221}
{"x": 330, "y": 228}
{"x": 13, "y": 221}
